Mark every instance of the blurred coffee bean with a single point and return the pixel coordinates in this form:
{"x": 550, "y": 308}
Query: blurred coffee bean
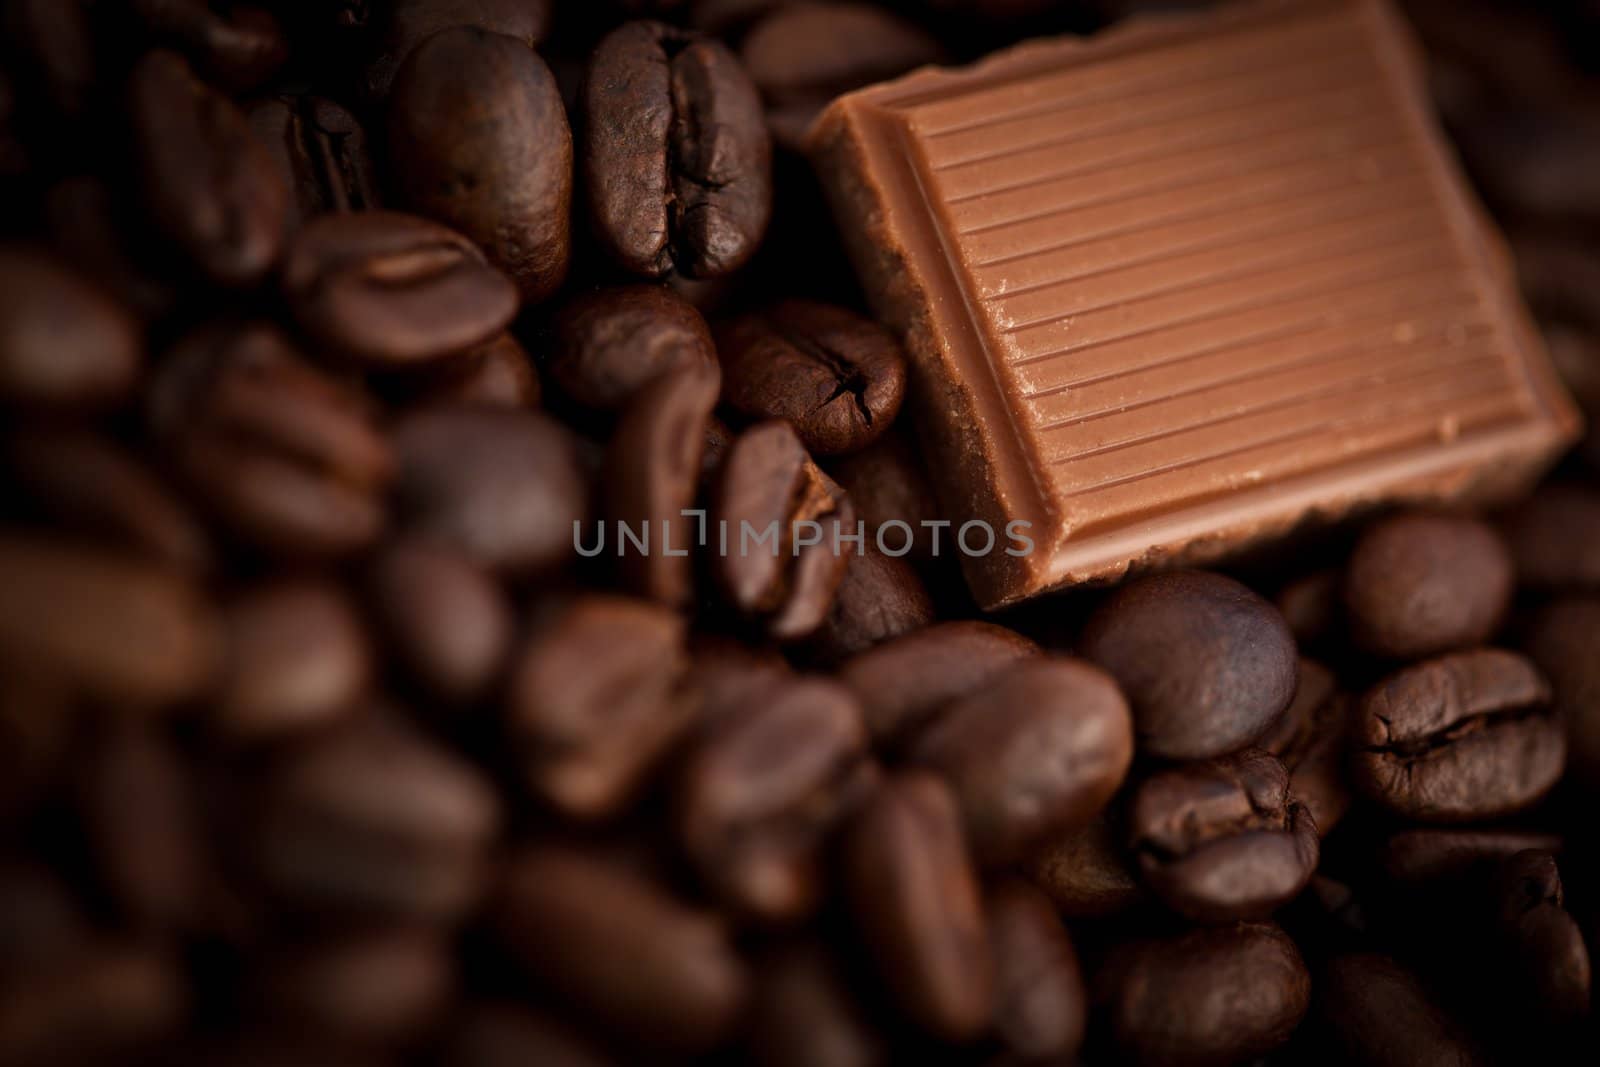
{"x": 209, "y": 183}
{"x": 758, "y": 792}
{"x": 374, "y": 820}
{"x": 1550, "y": 971}
{"x": 298, "y": 659}
{"x": 1379, "y": 1015}
{"x": 109, "y": 1004}
{"x": 913, "y": 893}
{"x": 879, "y": 598}
{"x": 1470, "y": 735}
{"x": 783, "y": 520}
{"x": 1417, "y": 585}
{"x": 1223, "y": 839}
{"x": 891, "y": 493}
{"x": 1084, "y": 871}
{"x": 654, "y": 971}
{"x": 803, "y": 55}
{"x": 837, "y": 377}
{"x": 321, "y": 152}
{"x": 1206, "y": 663}
{"x": 408, "y": 23}
{"x": 1428, "y": 859}
{"x": 727, "y": 17}
{"x": 54, "y": 39}
{"x": 1559, "y": 273}
{"x": 95, "y": 226}
{"x": 1039, "y": 748}
{"x": 1312, "y": 606}
{"x": 650, "y": 478}
{"x": 38, "y": 718}
{"x": 40, "y": 921}
{"x": 501, "y": 487}
{"x": 903, "y": 682}
{"x": 1041, "y": 1008}
{"x": 596, "y": 698}
{"x": 1535, "y": 162}
{"x": 676, "y": 155}
{"x": 498, "y": 374}
{"x": 1554, "y": 537}
{"x": 237, "y": 46}
{"x": 63, "y": 342}
{"x": 507, "y": 1034}
{"x": 121, "y": 630}
{"x": 1562, "y": 640}
{"x": 1309, "y": 737}
{"x": 611, "y": 343}
{"x": 391, "y": 290}
{"x": 805, "y": 1015}
{"x": 728, "y": 676}
{"x": 1213, "y": 995}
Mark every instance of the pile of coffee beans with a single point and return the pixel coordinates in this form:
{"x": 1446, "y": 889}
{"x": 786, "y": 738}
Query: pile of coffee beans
{"x": 349, "y": 351}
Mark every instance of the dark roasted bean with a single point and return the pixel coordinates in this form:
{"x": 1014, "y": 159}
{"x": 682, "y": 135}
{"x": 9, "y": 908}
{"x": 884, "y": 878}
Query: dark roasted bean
{"x": 891, "y": 493}
{"x": 408, "y": 23}
{"x": 40, "y": 922}
{"x": 1041, "y": 1008}
{"x": 805, "y": 1015}
{"x": 239, "y": 48}
{"x": 63, "y": 342}
{"x": 1423, "y": 859}
{"x": 1084, "y": 871}
{"x": 1562, "y": 640}
{"x": 57, "y": 41}
{"x": 321, "y": 152}
{"x": 37, "y": 721}
{"x": 1549, "y": 963}
{"x": 879, "y": 598}
{"x": 110, "y": 1004}
{"x": 507, "y": 1034}
{"x": 1311, "y": 605}
{"x": 1309, "y": 737}
{"x": 1554, "y": 537}
{"x": 1381, "y": 1016}
{"x": 95, "y": 227}
{"x": 611, "y": 343}
{"x": 728, "y": 676}
{"x": 498, "y": 374}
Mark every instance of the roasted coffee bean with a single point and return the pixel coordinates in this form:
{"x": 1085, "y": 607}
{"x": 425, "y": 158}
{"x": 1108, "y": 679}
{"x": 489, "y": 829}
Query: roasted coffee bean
{"x": 1224, "y": 839}
{"x": 802, "y": 55}
{"x": 1214, "y": 995}
{"x": 288, "y": 457}
{"x": 498, "y": 374}
{"x": 1040, "y": 748}
{"x": 408, "y": 23}
{"x": 115, "y": 628}
{"x": 729, "y": 675}
{"x": 612, "y": 342}
{"x": 321, "y": 152}
{"x": 507, "y": 1034}
{"x": 650, "y": 478}
{"x": 1207, "y": 664}
{"x": 504, "y": 178}
{"x": 1417, "y": 585}
{"x": 209, "y": 183}
{"x": 783, "y": 518}
{"x": 676, "y": 156}
{"x": 1550, "y": 972}
{"x": 758, "y": 792}
{"x": 374, "y": 820}
{"x": 1379, "y": 1015}
{"x": 501, "y": 487}
{"x": 1309, "y": 737}
{"x": 1470, "y": 735}
{"x": 1561, "y": 640}
{"x": 1084, "y": 871}
{"x": 392, "y": 290}
{"x": 110, "y": 1004}
{"x": 237, "y": 46}
{"x": 657, "y": 972}
{"x": 38, "y": 717}
{"x": 880, "y": 598}
{"x": 837, "y": 377}
{"x": 297, "y": 660}
{"x": 891, "y": 493}
{"x": 1427, "y": 859}
{"x": 912, "y": 890}
{"x": 63, "y": 342}
{"x": 595, "y": 700}
{"x": 55, "y": 39}
{"x": 40, "y": 922}
{"x": 903, "y": 682}
{"x": 445, "y": 618}
{"x": 804, "y": 1014}
{"x": 1554, "y": 537}
{"x": 1041, "y": 1008}
{"x": 1312, "y": 606}
{"x": 96, "y": 228}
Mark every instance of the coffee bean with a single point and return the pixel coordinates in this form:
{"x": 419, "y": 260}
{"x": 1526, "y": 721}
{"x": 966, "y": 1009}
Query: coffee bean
{"x": 40, "y": 922}
{"x": 651, "y": 969}
{"x": 97, "y": 229}
{"x": 1550, "y": 971}
{"x": 37, "y": 721}
{"x": 1206, "y": 663}
{"x": 1040, "y": 748}
{"x": 56, "y": 41}
{"x": 1309, "y": 737}
{"x": 1041, "y": 1008}
{"x": 1430, "y": 858}
{"x": 504, "y": 178}
{"x": 1379, "y": 1015}
{"x": 63, "y": 342}
{"x": 676, "y": 155}
{"x": 1084, "y": 871}
{"x": 112, "y": 1004}
{"x": 903, "y": 682}
{"x": 612, "y": 342}
{"x": 408, "y": 23}
{"x": 209, "y": 183}
{"x": 238, "y": 48}
{"x": 729, "y": 675}
{"x": 758, "y": 792}
{"x": 321, "y": 152}
{"x": 1469, "y": 735}
{"x": 1417, "y": 585}
{"x": 804, "y": 1014}
{"x": 507, "y": 1034}
{"x": 1554, "y": 537}
{"x": 1561, "y": 640}
{"x": 1312, "y": 606}
{"x": 1214, "y": 995}
{"x": 837, "y": 377}
{"x": 392, "y": 290}
{"x": 501, "y": 487}
{"x": 767, "y": 490}
{"x": 891, "y": 493}
{"x": 914, "y": 896}
{"x": 595, "y": 700}
{"x": 498, "y": 374}
{"x": 879, "y": 598}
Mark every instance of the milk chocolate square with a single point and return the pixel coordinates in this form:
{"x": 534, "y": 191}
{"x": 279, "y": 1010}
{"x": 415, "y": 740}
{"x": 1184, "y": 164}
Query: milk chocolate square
{"x": 1186, "y": 285}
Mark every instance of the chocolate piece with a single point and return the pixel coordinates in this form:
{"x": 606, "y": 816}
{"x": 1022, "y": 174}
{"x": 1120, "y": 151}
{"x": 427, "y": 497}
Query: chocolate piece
{"x": 1179, "y": 287}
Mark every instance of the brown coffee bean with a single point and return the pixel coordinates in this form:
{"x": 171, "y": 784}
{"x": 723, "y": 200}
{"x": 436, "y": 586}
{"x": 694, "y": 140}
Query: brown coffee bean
{"x": 1379, "y": 1015}
{"x": 1207, "y": 665}
{"x": 1561, "y": 640}
{"x": 837, "y": 377}
{"x": 657, "y": 972}
{"x": 1041, "y": 1008}
{"x": 891, "y": 493}
{"x": 611, "y": 343}
{"x": 729, "y": 676}
{"x": 298, "y": 659}
{"x": 40, "y": 922}
{"x": 392, "y": 290}
{"x": 1470, "y": 735}
{"x": 239, "y": 47}
{"x": 1224, "y": 839}
{"x": 913, "y": 893}
{"x": 880, "y": 598}
{"x": 903, "y": 682}
{"x": 676, "y": 154}
{"x": 111, "y": 1004}
{"x": 209, "y": 183}
{"x": 1554, "y": 537}
{"x": 651, "y": 476}
{"x": 93, "y": 225}
{"x": 507, "y": 1034}
{"x": 321, "y": 152}
{"x": 1417, "y": 585}
{"x": 498, "y": 374}
{"x": 408, "y": 23}
{"x": 1309, "y": 737}
{"x": 805, "y": 1015}
{"x": 1040, "y": 748}
{"x": 1550, "y": 972}
{"x": 1084, "y": 871}
{"x": 758, "y": 792}
{"x": 595, "y": 700}
{"x": 1214, "y": 995}
{"x": 120, "y": 630}
{"x": 504, "y": 178}
{"x": 1312, "y": 606}
{"x": 38, "y": 717}
{"x": 501, "y": 487}
{"x": 767, "y": 492}
{"x": 1434, "y": 857}
{"x": 63, "y": 342}
{"x": 54, "y": 40}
